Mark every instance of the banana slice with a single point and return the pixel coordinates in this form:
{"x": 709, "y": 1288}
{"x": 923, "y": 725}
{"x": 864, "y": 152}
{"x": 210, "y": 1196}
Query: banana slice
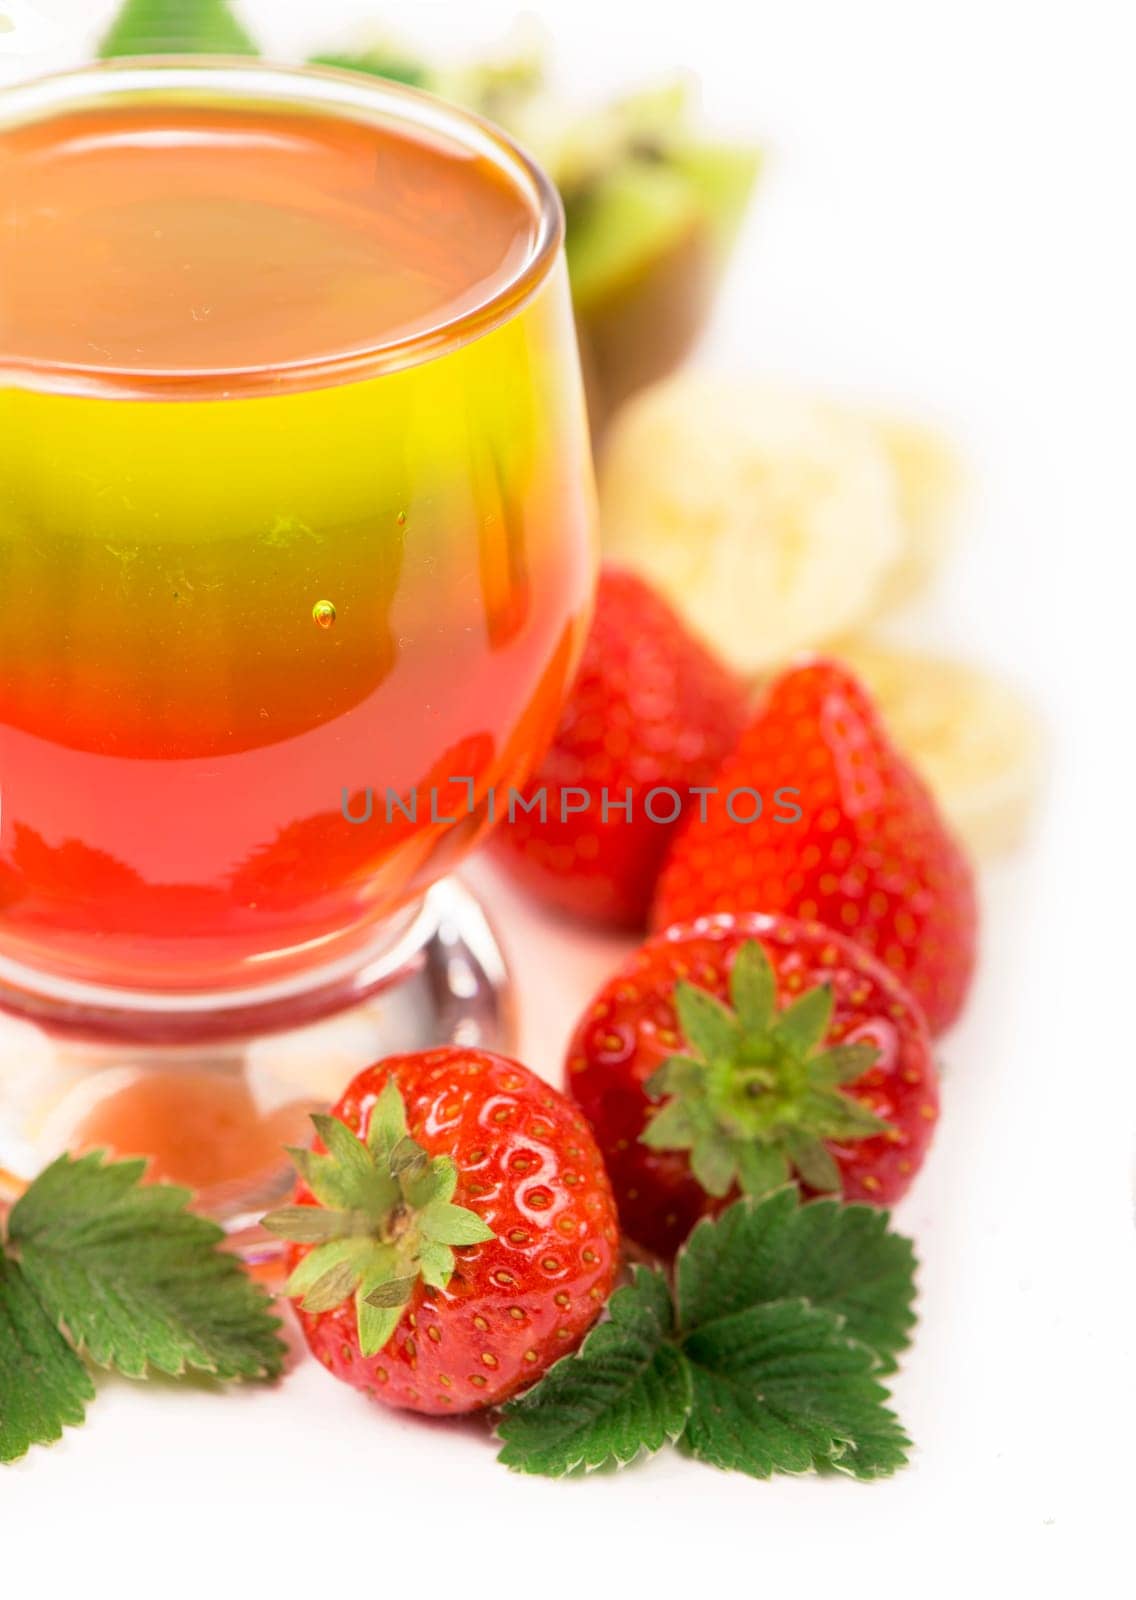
{"x": 928, "y": 477}
{"x": 770, "y": 518}
{"x": 975, "y": 740}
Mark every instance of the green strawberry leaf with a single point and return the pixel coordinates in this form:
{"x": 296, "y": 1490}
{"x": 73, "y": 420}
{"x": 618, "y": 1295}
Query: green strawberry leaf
{"x": 671, "y": 1128}
{"x": 408, "y": 1157}
{"x": 676, "y": 1075}
{"x": 714, "y": 1163}
{"x": 844, "y": 1063}
{"x": 345, "y": 1148}
{"x": 841, "y": 1258}
{"x": 387, "y": 1125}
{"x": 379, "y": 1299}
{"x": 136, "y": 1280}
{"x": 435, "y": 1263}
{"x": 174, "y": 27}
{"x": 761, "y": 1168}
{"x": 331, "y": 1272}
{"x": 780, "y": 1387}
{"x": 813, "y": 1163}
{"x": 331, "y": 1185}
{"x": 805, "y": 1023}
{"x": 375, "y": 1323}
{"x": 434, "y": 1181}
{"x": 442, "y": 1223}
{"x": 706, "y": 1023}
{"x": 308, "y": 1224}
{"x": 753, "y": 988}
{"x": 832, "y": 1115}
{"x": 44, "y": 1387}
{"x": 626, "y": 1391}
{"x": 788, "y": 1316}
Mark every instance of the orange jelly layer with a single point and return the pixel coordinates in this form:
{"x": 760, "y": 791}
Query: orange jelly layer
{"x": 231, "y": 605}
{"x": 194, "y": 240}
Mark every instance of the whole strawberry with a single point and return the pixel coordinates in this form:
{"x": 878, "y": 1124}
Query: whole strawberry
{"x": 870, "y": 856}
{"x": 453, "y": 1234}
{"x": 734, "y": 1053}
{"x": 651, "y": 714}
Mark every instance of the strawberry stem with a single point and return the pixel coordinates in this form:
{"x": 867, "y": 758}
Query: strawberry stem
{"x": 756, "y": 1096}
{"x": 383, "y": 1220}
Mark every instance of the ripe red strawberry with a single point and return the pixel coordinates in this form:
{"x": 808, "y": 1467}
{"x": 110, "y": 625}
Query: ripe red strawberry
{"x": 870, "y": 855}
{"x": 651, "y": 710}
{"x": 820, "y": 1067}
{"x": 453, "y": 1234}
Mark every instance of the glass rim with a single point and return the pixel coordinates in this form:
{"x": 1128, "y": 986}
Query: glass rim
{"x": 209, "y": 79}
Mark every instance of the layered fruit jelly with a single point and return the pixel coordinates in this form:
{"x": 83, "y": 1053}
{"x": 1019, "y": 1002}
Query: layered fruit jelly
{"x": 295, "y": 516}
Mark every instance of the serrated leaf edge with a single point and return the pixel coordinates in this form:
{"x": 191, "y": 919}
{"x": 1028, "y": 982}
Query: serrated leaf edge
{"x": 176, "y": 1199}
{"x": 614, "y": 1460}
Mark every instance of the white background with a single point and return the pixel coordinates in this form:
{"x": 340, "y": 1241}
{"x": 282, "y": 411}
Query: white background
{"x": 942, "y": 224}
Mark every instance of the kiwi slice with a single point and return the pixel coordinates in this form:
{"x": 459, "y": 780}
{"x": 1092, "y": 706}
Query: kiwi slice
{"x": 646, "y": 246}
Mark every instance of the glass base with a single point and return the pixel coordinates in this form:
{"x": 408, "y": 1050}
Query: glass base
{"x": 212, "y": 1087}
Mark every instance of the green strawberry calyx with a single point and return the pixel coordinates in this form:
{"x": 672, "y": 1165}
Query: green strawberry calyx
{"x": 757, "y": 1096}
{"x": 385, "y": 1220}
